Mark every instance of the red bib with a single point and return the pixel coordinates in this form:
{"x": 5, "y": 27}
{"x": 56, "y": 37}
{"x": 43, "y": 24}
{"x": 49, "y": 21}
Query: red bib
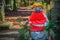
{"x": 37, "y": 18}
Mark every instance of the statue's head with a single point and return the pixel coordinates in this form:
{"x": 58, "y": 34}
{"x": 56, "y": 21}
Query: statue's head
{"x": 38, "y": 9}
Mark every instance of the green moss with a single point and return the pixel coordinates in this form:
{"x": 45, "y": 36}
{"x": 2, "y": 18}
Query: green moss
{"x": 4, "y": 26}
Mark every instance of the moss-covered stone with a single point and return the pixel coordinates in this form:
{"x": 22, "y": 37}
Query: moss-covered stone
{"x": 4, "y": 26}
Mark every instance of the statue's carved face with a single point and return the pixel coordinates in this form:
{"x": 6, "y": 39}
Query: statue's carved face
{"x": 38, "y": 9}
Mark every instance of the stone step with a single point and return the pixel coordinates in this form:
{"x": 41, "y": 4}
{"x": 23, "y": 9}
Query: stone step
{"x": 18, "y": 13}
{"x": 9, "y": 35}
{"x": 7, "y": 39}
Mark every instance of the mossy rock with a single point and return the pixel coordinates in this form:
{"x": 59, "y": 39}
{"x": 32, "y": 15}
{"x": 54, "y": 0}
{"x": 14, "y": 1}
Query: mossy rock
{"x": 4, "y": 26}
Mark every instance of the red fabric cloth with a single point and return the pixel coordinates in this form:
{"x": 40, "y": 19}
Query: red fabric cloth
{"x": 37, "y": 18}
{"x": 51, "y": 38}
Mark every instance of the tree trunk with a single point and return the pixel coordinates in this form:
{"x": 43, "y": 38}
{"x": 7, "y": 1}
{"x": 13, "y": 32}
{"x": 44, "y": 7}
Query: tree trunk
{"x": 2, "y": 10}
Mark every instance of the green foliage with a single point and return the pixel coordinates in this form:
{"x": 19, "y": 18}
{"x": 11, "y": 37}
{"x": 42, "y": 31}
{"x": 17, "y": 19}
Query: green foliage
{"x": 9, "y": 5}
{"x": 20, "y": 20}
{"x": 22, "y": 32}
{"x": 51, "y": 25}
